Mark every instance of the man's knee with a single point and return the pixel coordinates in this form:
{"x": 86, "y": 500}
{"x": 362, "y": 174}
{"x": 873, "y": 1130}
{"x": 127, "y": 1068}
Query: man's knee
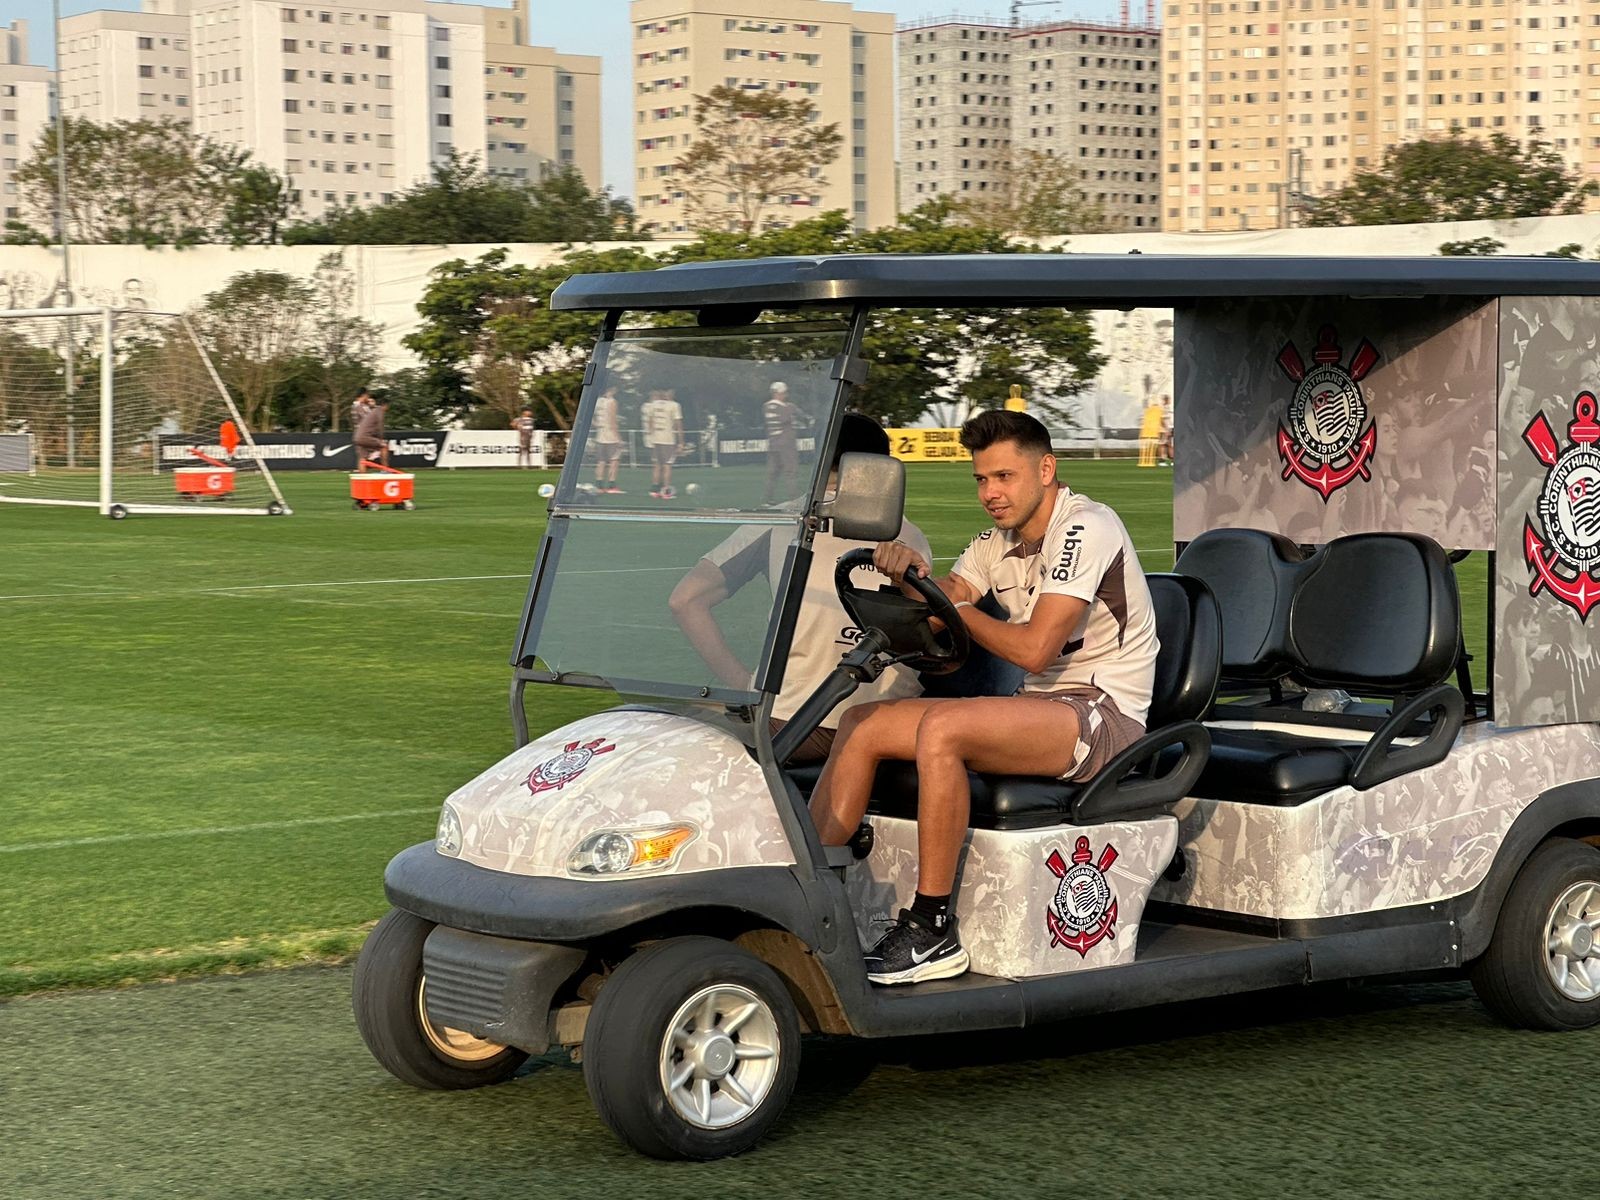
{"x": 940, "y": 730}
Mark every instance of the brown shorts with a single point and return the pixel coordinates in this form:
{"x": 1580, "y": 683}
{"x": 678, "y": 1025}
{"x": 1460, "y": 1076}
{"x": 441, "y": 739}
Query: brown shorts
{"x": 662, "y": 455}
{"x": 814, "y": 749}
{"x": 608, "y": 451}
{"x": 1103, "y": 731}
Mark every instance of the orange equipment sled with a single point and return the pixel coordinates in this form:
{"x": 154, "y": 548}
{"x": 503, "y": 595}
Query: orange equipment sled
{"x": 212, "y": 482}
{"x": 378, "y": 486}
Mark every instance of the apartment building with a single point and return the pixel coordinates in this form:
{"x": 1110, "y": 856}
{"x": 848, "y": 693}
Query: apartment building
{"x": 27, "y": 99}
{"x": 822, "y": 50}
{"x": 127, "y": 66}
{"x": 973, "y": 95}
{"x": 1273, "y": 103}
{"x": 543, "y": 107}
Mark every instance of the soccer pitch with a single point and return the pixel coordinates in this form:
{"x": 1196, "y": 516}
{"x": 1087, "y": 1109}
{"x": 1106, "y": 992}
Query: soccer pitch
{"x": 219, "y": 731}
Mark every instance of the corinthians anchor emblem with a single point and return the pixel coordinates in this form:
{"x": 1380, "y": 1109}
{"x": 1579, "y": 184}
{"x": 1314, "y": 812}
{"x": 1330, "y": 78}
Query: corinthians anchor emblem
{"x": 1084, "y": 910}
{"x": 1569, "y": 510}
{"x": 1325, "y": 445}
{"x": 562, "y": 769}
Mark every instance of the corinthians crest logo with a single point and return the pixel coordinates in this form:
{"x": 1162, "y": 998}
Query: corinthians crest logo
{"x": 1328, "y": 439}
{"x": 561, "y": 770}
{"x": 1084, "y": 909}
{"x": 1569, "y": 510}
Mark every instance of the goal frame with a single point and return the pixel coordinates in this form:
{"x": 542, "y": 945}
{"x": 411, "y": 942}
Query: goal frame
{"x": 107, "y": 504}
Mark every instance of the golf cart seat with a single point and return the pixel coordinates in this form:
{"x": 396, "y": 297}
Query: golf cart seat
{"x": 1373, "y": 614}
{"x": 1190, "y": 629}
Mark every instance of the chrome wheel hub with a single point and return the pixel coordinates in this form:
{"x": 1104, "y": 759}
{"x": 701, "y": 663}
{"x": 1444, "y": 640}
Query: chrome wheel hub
{"x": 1570, "y": 943}
{"x": 719, "y": 1056}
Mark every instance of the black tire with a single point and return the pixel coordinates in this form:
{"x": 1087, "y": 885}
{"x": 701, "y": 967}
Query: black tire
{"x": 630, "y": 1023}
{"x": 386, "y": 995}
{"x": 275, "y": 509}
{"x": 1513, "y": 977}
{"x": 117, "y": 513}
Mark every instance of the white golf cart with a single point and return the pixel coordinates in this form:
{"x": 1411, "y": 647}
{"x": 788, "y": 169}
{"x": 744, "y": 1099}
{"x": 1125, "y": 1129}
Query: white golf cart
{"x": 1323, "y": 793}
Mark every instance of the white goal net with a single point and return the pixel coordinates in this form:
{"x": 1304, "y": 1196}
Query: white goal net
{"x": 123, "y": 411}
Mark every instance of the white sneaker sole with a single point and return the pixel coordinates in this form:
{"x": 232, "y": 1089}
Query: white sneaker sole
{"x": 944, "y": 968}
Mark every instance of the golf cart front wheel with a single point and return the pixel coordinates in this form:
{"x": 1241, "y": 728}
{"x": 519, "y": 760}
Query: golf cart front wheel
{"x": 390, "y": 998}
{"x": 692, "y": 1049}
{"x": 1542, "y": 967}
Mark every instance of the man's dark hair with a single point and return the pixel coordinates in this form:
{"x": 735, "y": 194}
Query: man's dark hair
{"x": 1003, "y": 425}
{"x": 362, "y": 392}
{"x": 860, "y": 434}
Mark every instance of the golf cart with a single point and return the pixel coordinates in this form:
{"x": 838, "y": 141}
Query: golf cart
{"x": 1326, "y": 790}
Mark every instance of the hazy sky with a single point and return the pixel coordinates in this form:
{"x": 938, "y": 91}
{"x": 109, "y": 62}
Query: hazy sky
{"x": 601, "y": 27}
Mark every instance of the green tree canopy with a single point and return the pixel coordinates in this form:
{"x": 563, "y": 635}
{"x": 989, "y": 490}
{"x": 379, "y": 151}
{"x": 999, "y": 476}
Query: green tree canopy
{"x": 150, "y": 183}
{"x": 750, "y": 151}
{"x": 1458, "y": 178}
{"x": 255, "y": 329}
{"x": 1032, "y": 194}
{"x": 462, "y": 204}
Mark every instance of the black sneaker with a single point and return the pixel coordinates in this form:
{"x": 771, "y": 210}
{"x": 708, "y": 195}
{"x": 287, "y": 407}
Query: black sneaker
{"x": 914, "y": 952}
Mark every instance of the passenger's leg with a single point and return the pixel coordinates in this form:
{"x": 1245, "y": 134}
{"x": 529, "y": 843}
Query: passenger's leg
{"x": 868, "y": 734}
{"x": 1013, "y": 735}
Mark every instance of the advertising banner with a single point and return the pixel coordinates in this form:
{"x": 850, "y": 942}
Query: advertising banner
{"x": 487, "y": 448}
{"x": 928, "y": 445}
{"x": 408, "y": 450}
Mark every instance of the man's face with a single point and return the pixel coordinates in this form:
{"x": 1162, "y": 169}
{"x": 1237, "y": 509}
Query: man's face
{"x": 1011, "y": 482}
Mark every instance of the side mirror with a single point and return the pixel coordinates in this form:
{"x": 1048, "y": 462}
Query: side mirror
{"x": 870, "y": 503}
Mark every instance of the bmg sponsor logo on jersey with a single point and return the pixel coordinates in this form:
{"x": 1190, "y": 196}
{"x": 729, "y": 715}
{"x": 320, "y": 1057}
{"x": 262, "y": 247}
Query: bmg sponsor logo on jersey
{"x": 1067, "y": 565}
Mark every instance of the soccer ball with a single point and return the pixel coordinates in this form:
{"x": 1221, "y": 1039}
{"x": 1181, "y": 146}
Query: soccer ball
{"x": 692, "y": 488}
{"x": 667, "y": 493}
{"x": 546, "y": 490}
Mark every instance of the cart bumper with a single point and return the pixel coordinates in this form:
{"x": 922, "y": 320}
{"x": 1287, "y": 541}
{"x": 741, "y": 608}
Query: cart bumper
{"x": 541, "y": 908}
{"x": 496, "y": 988}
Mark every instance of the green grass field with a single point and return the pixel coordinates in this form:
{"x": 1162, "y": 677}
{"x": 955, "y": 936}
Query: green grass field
{"x": 219, "y": 730}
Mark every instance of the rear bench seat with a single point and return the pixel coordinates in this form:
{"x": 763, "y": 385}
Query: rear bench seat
{"x": 1375, "y": 614}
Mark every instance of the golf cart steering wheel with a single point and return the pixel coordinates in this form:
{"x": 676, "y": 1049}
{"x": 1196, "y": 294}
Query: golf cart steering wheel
{"x": 904, "y": 620}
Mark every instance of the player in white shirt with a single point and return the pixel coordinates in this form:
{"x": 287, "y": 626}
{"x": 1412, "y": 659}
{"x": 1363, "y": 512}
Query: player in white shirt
{"x": 1078, "y": 620}
{"x": 823, "y": 631}
{"x": 608, "y": 442}
{"x": 663, "y": 435}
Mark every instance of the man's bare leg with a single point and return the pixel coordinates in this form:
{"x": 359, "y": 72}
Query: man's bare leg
{"x": 868, "y": 734}
{"x": 1013, "y": 735}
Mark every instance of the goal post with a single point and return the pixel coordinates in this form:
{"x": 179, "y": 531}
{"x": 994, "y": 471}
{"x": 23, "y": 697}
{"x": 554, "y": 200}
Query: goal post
{"x": 123, "y": 411}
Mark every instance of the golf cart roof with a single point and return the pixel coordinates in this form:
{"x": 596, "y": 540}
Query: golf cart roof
{"x": 1081, "y": 280}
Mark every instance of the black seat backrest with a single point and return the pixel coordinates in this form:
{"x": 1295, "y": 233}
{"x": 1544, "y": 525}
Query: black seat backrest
{"x": 1253, "y": 575}
{"x": 1189, "y": 663}
{"x": 1373, "y": 613}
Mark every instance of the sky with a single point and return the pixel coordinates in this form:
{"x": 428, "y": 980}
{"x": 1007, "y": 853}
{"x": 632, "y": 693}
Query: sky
{"x": 602, "y": 27}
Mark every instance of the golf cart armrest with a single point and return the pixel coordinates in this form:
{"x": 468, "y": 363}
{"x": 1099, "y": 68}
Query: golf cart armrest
{"x": 1112, "y": 793}
{"x": 1379, "y": 760}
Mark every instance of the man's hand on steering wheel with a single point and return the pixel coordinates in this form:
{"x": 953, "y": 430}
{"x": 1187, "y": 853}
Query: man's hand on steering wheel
{"x": 894, "y": 559}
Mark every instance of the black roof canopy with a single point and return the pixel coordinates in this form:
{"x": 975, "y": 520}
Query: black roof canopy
{"x": 1075, "y": 280}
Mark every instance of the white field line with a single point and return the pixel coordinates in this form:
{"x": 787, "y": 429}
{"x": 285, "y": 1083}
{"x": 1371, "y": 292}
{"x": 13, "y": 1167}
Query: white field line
{"x": 253, "y": 587}
{"x": 211, "y": 830}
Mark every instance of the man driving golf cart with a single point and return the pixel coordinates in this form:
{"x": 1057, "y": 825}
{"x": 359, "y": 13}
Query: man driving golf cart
{"x": 1078, "y": 618}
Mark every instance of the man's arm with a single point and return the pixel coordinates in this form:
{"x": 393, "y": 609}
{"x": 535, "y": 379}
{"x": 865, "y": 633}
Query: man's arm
{"x": 697, "y": 593}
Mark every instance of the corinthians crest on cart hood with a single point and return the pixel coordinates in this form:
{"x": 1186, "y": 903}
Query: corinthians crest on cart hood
{"x": 1083, "y": 911}
{"x": 562, "y": 769}
{"x": 1561, "y": 559}
{"x": 1327, "y": 437}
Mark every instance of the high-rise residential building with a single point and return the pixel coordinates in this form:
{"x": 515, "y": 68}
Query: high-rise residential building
{"x": 974, "y": 97}
{"x": 1271, "y": 104}
{"x": 127, "y": 66}
{"x": 543, "y": 107}
{"x": 27, "y": 98}
{"x": 826, "y": 51}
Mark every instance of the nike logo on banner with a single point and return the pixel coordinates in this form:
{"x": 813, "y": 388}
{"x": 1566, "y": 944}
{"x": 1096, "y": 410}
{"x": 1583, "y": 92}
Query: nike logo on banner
{"x": 919, "y": 959}
{"x": 330, "y": 451}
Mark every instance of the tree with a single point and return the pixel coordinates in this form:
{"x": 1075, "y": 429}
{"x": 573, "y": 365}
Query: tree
{"x": 151, "y": 182}
{"x": 1033, "y": 195}
{"x": 341, "y": 348}
{"x": 489, "y": 327}
{"x": 254, "y": 328}
{"x": 461, "y": 203}
{"x": 751, "y": 151}
{"x": 1457, "y": 178}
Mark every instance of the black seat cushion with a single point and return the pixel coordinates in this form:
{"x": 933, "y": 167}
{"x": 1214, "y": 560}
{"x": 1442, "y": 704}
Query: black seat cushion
{"x": 1268, "y": 766}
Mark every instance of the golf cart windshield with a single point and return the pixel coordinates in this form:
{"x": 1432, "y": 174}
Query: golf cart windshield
{"x": 689, "y": 444}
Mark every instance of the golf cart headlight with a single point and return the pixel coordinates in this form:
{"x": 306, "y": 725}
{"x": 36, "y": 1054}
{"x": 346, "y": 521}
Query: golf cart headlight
{"x": 615, "y": 851}
{"x": 448, "y": 835}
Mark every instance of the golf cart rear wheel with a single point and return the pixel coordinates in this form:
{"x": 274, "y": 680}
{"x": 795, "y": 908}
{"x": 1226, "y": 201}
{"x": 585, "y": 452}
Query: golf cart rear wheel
{"x": 692, "y": 1049}
{"x": 390, "y": 998}
{"x": 1542, "y": 967}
